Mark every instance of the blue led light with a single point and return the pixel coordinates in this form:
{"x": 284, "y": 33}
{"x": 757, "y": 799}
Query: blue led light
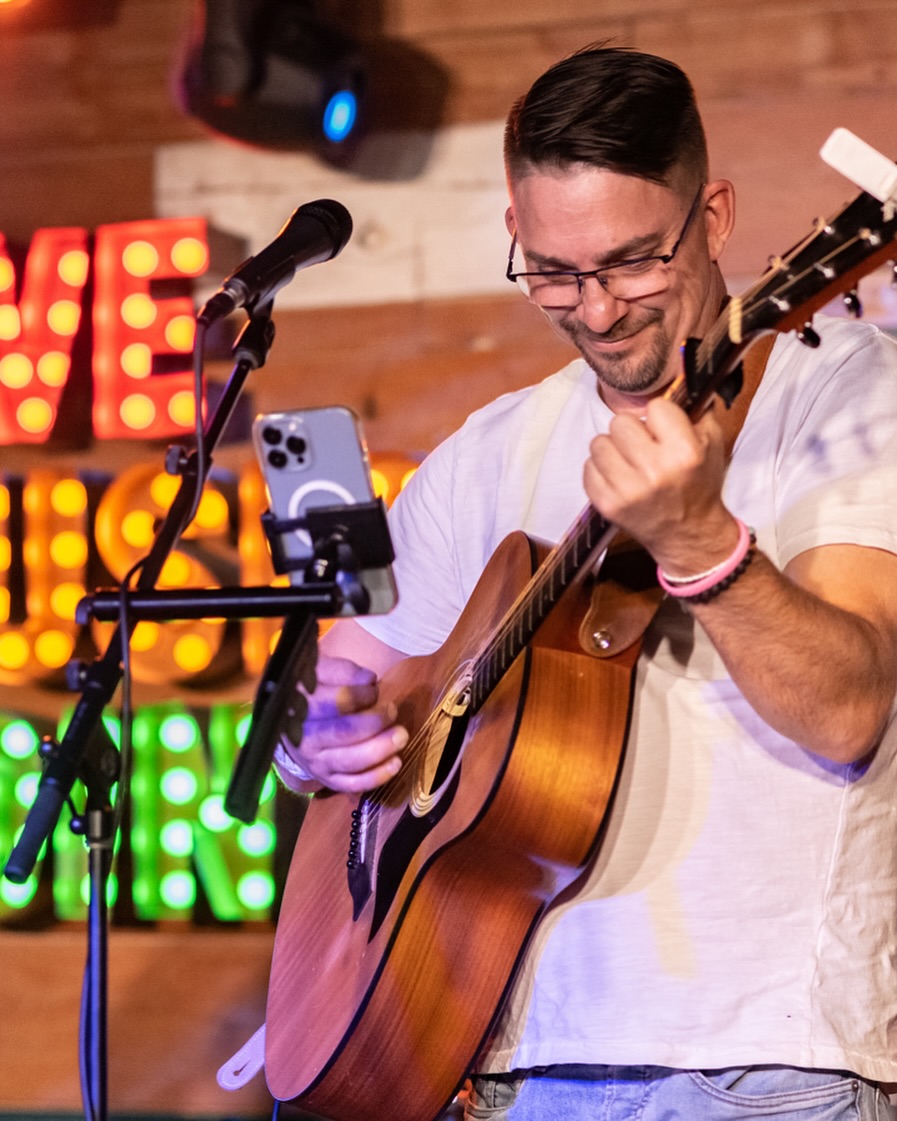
{"x": 176, "y": 837}
{"x": 213, "y": 814}
{"x": 25, "y": 789}
{"x": 179, "y": 786}
{"x": 257, "y": 839}
{"x": 339, "y": 115}
{"x": 241, "y": 732}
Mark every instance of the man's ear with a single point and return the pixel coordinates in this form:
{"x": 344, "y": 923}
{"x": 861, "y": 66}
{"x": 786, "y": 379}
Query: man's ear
{"x": 719, "y": 215}
{"x": 510, "y": 224}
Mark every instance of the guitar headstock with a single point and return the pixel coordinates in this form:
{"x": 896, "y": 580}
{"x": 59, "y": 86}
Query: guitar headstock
{"x": 831, "y": 260}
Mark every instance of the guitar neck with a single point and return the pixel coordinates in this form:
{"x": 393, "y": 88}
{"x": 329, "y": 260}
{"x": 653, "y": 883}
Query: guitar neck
{"x": 581, "y": 545}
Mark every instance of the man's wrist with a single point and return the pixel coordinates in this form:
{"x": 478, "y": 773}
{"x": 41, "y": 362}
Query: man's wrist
{"x": 287, "y": 765}
{"x": 696, "y": 549}
{"x": 704, "y": 586}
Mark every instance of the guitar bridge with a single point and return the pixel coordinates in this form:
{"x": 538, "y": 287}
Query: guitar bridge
{"x": 357, "y": 863}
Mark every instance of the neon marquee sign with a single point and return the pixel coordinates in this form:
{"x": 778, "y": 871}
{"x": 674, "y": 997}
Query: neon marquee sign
{"x": 62, "y": 534}
{"x": 57, "y": 529}
{"x": 122, "y": 278}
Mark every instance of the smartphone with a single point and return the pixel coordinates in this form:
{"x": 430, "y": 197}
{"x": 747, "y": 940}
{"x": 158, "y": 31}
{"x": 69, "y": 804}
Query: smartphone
{"x": 314, "y": 458}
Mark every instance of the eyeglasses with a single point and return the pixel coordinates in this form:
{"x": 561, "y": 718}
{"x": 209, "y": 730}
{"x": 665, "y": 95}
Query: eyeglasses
{"x": 625, "y": 280}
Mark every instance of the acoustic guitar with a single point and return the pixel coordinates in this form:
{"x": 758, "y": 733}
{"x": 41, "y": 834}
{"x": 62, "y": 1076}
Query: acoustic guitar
{"x": 406, "y": 914}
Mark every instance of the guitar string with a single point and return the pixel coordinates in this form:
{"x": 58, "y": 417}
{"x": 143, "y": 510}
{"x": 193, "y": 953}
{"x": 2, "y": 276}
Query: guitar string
{"x": 487, "y": 654}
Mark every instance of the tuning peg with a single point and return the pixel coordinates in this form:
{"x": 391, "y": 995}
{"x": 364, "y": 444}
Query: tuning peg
{"x": 853, "y": 304}
{"x": 893, "y": 265}
{"x": 808, "y": 336}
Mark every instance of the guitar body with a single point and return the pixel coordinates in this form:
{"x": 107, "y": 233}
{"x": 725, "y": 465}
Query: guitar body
{"x": 382, "y": 993}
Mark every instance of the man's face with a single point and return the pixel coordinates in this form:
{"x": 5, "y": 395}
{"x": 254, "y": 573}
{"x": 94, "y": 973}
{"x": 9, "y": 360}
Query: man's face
{"x": 586, "y": 218}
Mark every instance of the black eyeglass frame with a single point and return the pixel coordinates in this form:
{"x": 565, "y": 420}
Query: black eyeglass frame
{"x": 579, "y": 277}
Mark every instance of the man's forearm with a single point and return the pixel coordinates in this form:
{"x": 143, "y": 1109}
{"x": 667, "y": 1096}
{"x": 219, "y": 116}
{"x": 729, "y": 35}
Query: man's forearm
{"x": 821, "y": 675}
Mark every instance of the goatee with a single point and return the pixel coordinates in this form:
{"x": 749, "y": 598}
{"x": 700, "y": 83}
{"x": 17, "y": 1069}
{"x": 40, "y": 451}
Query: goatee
{"x": 620, "y": 371}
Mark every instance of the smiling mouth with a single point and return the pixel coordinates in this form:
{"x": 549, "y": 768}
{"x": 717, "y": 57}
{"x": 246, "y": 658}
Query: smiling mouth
{"x": 617, "y": 338}
{"x": 613, "y": 342}
{"x": 603, "y": 342}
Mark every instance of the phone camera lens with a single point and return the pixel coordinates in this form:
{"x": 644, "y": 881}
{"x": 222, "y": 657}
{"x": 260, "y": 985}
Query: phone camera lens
{"x": 296, "y": 445}
{"x": 271, "y": 435}
{"x": 277, "y": 458}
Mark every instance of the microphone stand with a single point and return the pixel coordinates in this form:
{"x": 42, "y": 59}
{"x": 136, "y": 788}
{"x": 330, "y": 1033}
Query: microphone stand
{"x": 63, "y": 762}
{"x": 85, "y": 750}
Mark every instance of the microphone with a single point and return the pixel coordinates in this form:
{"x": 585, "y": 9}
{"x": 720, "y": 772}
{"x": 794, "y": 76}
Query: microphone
{"x": 314, "y": 232}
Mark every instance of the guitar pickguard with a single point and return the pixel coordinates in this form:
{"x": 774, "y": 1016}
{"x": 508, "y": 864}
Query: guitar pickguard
{"x": 399, "y": 849}
{"x": 380, "y": 873}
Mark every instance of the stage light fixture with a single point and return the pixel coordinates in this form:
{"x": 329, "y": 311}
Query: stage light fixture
{"x": 272, "y": 73}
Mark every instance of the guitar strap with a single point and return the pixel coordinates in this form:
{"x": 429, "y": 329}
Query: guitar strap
{"x": 754, "y": 365}
{"x": 625, "y": 595}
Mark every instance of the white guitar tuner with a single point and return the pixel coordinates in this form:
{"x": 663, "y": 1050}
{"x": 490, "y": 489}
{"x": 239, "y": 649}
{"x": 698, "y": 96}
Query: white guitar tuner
{"x": 862, "y": 164}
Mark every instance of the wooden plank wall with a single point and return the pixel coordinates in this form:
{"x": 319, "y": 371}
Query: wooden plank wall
{"x": 86, "y": 96}
{"x": 85, "y": 107}
{"x": 89, "y": 104}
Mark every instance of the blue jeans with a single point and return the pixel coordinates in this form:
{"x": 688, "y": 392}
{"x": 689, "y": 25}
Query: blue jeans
{"x": 645, "y": 1093}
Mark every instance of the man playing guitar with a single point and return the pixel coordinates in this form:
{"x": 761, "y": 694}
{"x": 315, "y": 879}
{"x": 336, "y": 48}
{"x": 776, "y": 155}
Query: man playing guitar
{"x": 729, "y": 949}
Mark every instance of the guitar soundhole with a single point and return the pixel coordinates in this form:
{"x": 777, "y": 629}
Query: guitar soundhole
{"x": 442, "y": 750}
{"x": 423, "y": 812}
{"x": 449, "y": 755}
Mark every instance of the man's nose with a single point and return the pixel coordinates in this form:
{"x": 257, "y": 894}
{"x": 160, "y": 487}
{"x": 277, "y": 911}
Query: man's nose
{"x": 597, "y": 308}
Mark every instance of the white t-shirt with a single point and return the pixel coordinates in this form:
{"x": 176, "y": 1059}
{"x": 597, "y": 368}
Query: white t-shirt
{"x": 741, "y": 909}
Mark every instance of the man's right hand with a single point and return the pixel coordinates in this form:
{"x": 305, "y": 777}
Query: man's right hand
{"x": 349, "y": 740}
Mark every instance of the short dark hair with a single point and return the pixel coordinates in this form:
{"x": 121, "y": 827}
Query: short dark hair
{"x": 610, "y": 107}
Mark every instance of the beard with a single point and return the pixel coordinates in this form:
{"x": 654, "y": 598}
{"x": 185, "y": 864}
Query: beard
{"x": 623, "y": 372}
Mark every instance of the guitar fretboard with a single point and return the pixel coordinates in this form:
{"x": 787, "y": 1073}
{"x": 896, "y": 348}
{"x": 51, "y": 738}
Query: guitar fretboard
{"x": 589, "y": 535}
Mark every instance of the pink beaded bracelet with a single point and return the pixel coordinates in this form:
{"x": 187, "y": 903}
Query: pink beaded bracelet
{"x": 708, "y": 584}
